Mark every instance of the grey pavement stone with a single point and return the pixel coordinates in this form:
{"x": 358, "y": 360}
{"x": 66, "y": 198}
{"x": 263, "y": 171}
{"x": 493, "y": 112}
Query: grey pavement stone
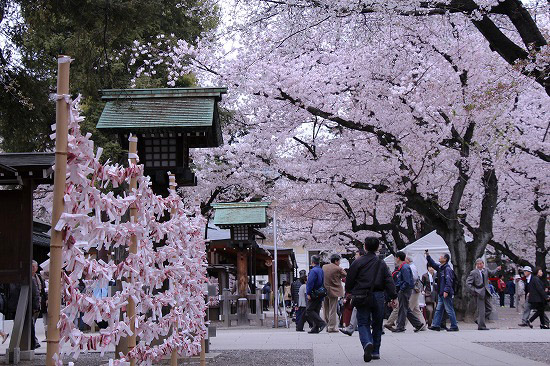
{"x": 537, "y": 351}
{"x": 280, "y": 357}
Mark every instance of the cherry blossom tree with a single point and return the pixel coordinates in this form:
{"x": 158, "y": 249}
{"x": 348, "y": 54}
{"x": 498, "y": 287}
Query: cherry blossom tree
{"x": 383, "y": 118}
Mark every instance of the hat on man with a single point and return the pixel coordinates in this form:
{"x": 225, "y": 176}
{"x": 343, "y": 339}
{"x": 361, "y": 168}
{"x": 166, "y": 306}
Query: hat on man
{"x": 517, "y": 277}
{"x": 528, "y": 269}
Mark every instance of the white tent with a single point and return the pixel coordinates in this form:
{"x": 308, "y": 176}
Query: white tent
{"x": 435, "y": 245}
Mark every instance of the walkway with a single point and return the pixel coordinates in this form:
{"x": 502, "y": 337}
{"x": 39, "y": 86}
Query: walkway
{"x": 404, "y": 349}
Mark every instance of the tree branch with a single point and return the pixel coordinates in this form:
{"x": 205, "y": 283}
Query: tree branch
{"x": 508, "y": 252}
{"x": 385, "y": 139}
{"x": 309, "y": 147}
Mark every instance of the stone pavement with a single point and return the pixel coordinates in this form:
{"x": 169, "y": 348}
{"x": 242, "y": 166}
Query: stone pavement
{"x": 403, "y": 349}
{"x": 408, "y": 349}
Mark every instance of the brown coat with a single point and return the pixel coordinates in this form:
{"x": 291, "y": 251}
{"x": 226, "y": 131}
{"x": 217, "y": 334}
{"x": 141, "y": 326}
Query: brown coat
{"x": 333, "y": 275}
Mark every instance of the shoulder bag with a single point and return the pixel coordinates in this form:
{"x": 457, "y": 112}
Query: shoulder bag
{"x": 366, "y": 299}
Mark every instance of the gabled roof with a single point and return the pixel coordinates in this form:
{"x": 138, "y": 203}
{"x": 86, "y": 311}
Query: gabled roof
{"x": 28, "y": 159}
{"x": 240, "y": 213}
{"x": 26, "y": 165}
{"x": 170, "y": 109}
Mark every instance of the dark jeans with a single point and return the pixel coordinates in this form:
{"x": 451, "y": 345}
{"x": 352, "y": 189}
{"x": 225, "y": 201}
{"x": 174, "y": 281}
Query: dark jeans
{"x": 371, "y": 317}
{"x": 512, "y": 300}
{"x": 405, "y": 311}
{"x": 444, "y": 304}
{"x": 312, "y": 312}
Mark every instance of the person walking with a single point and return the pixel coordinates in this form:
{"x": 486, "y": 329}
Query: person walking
{"x": 511, "y": 290}
{"x": 333, "y": 275}
{"x": 390, "y": 323}
{"x": 41, "y": 284}
{"x": 520, "y": 293}
{"x": 414, "y": 303}
{"x": 445, "y": 280}
{"x": 429, "y": 292}
{"x": 3, "y": 311}
{"x": 537, "y": 299}
{"x": 266, "y": 292}
{"x": 302, "y": 304}
{"x": 38, "y": 289}
{"x": 349, "y": 314}
{"x": 287, "y": 295}
{"x": 501, "y": 289}
{"x": 295, "y": 290}
{"x": 315, "y": 293}
{"x": 295, "y": 286}
{"x": 527, "y": 307}
{"x": 369, "y": 280}
{"x": 478, "y": 284}
{"x": 405, "y": 285}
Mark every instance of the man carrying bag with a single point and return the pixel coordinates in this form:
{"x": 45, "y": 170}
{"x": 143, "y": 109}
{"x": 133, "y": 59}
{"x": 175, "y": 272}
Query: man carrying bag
{"x": 368, "y": 280}
{"x": 315, "y": 294}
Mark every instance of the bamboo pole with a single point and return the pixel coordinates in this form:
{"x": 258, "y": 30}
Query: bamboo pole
{"x": 56, "y": 242}
{"x": 203, "y": 352}
{"x": 131, "y": 309}
{"x": 173, "y": 185}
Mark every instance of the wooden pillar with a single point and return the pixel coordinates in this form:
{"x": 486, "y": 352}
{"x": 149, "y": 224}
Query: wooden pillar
{"x": 242, "y": 273}
{"x": 203, "y": 353}
{"x": 131, "y": 308}
{"x": 56, "y": 243}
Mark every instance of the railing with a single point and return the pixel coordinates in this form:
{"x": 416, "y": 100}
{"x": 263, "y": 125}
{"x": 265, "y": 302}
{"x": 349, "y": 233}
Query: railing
{"x": 243, "y": 313}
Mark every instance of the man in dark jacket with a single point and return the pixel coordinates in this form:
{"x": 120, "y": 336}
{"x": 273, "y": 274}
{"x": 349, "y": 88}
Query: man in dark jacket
{"x": 315, "y": 281}
{"x": 359, "y": 280}
{"x": 266, "y": 292}
{"x": 405, "y": 285}
{"x": 445, "y": 278}
{"x": 511, "y": 290}
{"x": 536, "y": 298}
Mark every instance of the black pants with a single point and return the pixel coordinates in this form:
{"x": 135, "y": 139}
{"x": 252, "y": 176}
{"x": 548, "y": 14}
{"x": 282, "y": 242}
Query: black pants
{"x": 312, "y": 313}
{"x": 512, "y": 300}
{"x": 34, "y": 345}
{"x": 501, "y": 296}
{"x": 539, "y": 312}
{"x": 301, "y": 318}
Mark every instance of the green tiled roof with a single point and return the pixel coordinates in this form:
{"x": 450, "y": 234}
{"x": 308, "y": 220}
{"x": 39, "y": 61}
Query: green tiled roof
{"x": 170, "y": 108}
{"x": 241, "y": 213}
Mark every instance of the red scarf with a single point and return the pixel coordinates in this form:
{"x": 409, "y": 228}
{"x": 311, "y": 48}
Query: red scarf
{"x": 397, "y": 270}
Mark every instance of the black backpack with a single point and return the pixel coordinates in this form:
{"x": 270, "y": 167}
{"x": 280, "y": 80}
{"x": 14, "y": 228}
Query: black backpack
{"x": 454, "y": 279}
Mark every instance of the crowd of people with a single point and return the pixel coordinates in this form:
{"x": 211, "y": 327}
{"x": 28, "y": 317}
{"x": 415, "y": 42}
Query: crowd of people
{"x": 369, "y": 293}
{"x": 9, "y": 297}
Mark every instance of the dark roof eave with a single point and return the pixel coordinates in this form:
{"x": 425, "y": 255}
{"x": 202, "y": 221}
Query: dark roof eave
{"x": 113, "y": 94}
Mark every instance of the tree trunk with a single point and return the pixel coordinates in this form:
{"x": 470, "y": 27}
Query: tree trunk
{"x": 541, "y": 250}
{"x": 462, "y": 259}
